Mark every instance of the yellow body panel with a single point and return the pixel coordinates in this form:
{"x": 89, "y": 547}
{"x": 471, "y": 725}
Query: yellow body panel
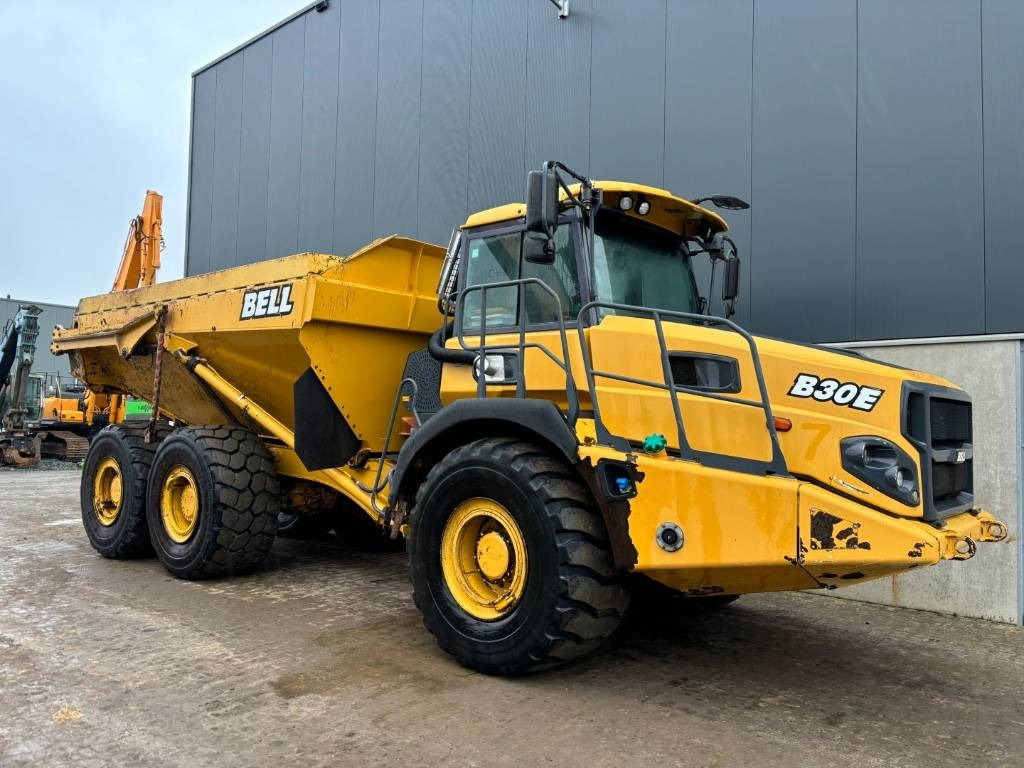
{"x": 755, "y": 533}
{"x": 673, "y": 213}
{"x": 354, "y": 320}
{"x": 348, "y": 318}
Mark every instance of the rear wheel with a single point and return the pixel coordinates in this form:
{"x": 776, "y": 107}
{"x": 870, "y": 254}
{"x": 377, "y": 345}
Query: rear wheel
{"x": 509, "y": 560}
{"x": 213, "y": 500}
{"x": 113, "y": 492}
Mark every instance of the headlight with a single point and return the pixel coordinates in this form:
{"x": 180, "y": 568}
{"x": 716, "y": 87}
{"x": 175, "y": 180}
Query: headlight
{"x": 884, "y": 466}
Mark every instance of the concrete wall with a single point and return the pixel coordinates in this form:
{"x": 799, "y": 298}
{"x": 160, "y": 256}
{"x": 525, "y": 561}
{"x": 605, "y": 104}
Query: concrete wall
{"x": 53, "y": 314}
{"x": 877, "y": 140}
{"x": 987, "y": 586}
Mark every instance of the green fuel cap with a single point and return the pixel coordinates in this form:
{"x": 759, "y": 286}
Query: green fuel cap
{"x": 654, "y": 443}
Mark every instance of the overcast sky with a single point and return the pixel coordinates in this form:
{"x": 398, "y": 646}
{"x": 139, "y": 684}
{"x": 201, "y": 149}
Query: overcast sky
{"x": 94, "y": 110}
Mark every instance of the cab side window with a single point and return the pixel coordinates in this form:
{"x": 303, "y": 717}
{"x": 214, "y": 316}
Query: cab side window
{"x": 493, "y": 259}
{"x": 498, "y": 258}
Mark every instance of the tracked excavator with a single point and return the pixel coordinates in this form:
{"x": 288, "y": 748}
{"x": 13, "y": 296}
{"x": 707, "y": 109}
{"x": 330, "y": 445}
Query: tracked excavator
{"x": 19, "y": 445}
{"x": 546, "y": 410}
{"x": 70, "y": 415}
{"x": 78, "y": 412}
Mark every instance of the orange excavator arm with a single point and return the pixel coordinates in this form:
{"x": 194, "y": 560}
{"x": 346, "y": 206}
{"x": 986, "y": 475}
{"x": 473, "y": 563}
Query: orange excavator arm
{"x": 141, "y": 258}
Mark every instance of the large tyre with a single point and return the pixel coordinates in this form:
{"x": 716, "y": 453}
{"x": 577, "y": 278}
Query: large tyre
{"x": 113, "y": 492}
{"x": 213, "y": 500}
{"x": 509, "y": 560}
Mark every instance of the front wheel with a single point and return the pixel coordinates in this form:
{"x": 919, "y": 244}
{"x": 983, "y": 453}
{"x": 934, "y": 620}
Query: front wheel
{"x": 212, "y": 501}
{"x": 509, "y": 560}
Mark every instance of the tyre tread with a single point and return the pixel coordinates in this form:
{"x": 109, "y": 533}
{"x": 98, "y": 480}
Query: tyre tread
{"x": 590, "y": 604}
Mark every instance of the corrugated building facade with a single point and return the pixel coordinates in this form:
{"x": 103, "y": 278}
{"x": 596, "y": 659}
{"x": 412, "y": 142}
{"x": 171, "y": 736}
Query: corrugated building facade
{"x": 878, "y": 142}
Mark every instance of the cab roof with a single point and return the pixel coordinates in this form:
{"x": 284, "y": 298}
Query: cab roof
{"x": 667, "y": 211}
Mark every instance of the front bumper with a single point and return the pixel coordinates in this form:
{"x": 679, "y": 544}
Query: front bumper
{"x": 959, "y": 535}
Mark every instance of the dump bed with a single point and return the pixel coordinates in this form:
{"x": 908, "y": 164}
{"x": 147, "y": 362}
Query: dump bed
{"x": 348, "y": 323}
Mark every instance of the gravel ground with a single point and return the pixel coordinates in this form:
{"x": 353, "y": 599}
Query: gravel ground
{"x": 45, "y": 465}
{"x": 321, "y": 660}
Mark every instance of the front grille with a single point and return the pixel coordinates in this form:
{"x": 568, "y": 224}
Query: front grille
{"x": 950, "y": 422}
{"x": 950, "y": 480}
{"x": 941, "y": 429}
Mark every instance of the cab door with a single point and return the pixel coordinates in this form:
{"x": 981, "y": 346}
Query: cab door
{"x": 503, "y": 295}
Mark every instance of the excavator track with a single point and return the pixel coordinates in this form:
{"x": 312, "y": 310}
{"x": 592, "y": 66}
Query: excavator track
{"x": 66, "y": 446}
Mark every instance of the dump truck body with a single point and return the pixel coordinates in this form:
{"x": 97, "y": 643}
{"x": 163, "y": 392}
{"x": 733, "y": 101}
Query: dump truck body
{"x": 571, "y": 415}
{"x": 352, "y": 321}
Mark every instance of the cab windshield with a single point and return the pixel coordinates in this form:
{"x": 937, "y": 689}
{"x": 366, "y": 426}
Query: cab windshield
{"x": 635, "y": 263}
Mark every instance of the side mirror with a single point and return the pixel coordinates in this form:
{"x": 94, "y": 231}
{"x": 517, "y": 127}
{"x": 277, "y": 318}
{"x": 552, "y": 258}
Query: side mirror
{"x": 542, "y": 202}
{"x": 731, "y": 279}
{"x": 538, "y": 249}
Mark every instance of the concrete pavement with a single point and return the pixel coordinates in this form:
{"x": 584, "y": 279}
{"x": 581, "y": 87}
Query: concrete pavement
{"x": 321, "y": 660}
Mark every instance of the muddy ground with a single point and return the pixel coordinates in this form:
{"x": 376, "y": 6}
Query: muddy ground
{"x": 321, "y": 660}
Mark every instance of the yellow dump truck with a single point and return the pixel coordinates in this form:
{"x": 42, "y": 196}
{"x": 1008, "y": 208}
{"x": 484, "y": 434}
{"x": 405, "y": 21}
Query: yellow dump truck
{"x": 540, "y": 410}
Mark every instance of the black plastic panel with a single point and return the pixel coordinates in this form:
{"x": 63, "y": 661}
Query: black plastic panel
{"x": 323, "y": 438}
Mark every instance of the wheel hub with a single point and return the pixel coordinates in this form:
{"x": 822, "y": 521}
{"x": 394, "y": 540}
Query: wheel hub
{"x": 107, "y": 491}
{"x": 493, "y": 555}
{"x": 179, "y": 504}
{"x": 483, "y": 559}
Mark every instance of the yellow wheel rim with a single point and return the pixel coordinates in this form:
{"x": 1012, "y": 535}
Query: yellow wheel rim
{"x": 179, "y": 504}
{"x": 483, "y": 559}
{"x": 107, "y": 491}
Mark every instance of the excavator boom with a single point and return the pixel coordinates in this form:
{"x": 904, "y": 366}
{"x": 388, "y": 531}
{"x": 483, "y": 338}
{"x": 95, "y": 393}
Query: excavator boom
{"x": 141, "y": 258}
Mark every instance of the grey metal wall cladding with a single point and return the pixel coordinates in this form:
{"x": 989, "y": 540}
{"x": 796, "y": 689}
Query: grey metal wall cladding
{"x": 627, "y": 91}
{"x": 558, "y": 86}
{"x": 319, "y": 130}
{"x": 254, "y": 163}
{"x": 226, "y": 156}
{"x": 804, "y": 220}
{"x": 400, "y": 57}
{"x": 200, "y": 196}
{"x": 497, "y": 103}
{"x": 444, "y": 119}
{"x": 919, "y": 169}
{"x": 287, "y": 81}
{"x": 878, "y": 141}
{"x": 357, "y": 126}
{"x": 1003, "y": 59}
{"x": 707, "y": 117}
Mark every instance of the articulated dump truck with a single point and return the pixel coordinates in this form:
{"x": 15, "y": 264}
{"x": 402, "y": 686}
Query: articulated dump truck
{"x": 546, "y": 411}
